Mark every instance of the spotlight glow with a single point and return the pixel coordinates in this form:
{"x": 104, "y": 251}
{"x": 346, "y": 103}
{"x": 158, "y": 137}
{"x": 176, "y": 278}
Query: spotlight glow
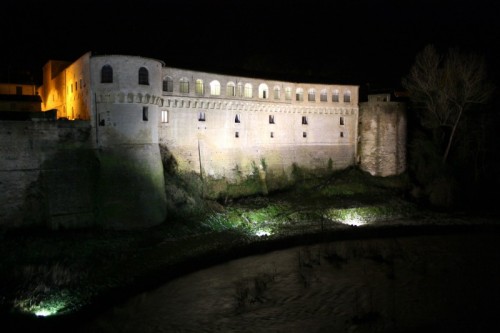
{"x": 350, "y": 216}
{"x": 262, "y": 232}
{"x": 44, "y": 313}
{"x": 354, "y": 221}
{"x": 45, "y": 308}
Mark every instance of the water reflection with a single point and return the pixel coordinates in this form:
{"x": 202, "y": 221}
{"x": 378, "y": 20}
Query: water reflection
{"x": 384, "y": 285}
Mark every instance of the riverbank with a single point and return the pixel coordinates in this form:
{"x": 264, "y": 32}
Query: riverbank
{"x": 49, "y": 279}
{"x": 435, "y": 282}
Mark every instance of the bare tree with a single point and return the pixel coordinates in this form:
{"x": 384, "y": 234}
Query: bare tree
{"x": 443, "y": 88}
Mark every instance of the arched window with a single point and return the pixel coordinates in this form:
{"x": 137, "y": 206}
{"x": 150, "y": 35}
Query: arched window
{"x": 215, "y": 88}
{"x": 248, "y": 90}
{"x": 347, "y": 96}
{"x": 230, "y": 89}
{"x": 263, "y": 91}
{"x": 277, "y": 92}
{"x": 299, "y": 94}
{"x": 288, "y": 93}
{"x": 311, "y": 95}
{"x": 335, "y": 96}
{"x": 184, "y": 85}
{"x": 143, "y": 76}
{"x": 240, "y": 89}
{"x": 107, "y": 74}
{"x": 323, "y": 97}
{"x": 168, "y": 84}
{"x": 199, "y": 89}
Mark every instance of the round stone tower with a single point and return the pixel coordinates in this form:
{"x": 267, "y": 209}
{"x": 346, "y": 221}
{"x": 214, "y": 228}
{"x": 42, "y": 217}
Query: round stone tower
{"x": 382, "y": 136}
{"x": 125, "y": 109}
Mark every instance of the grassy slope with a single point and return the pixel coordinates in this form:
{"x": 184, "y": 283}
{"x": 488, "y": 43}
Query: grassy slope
{"x": 76, "y": 271}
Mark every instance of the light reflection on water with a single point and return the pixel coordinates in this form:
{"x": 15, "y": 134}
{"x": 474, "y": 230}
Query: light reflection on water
{"x": 384, "y": 285}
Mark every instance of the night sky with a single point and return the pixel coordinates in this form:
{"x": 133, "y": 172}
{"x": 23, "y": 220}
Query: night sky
{"x": 353, "y": 42}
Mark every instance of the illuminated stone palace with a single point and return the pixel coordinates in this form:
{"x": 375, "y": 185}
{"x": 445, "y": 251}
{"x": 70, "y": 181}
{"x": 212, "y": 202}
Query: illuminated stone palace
{"x": 134, "y": 113}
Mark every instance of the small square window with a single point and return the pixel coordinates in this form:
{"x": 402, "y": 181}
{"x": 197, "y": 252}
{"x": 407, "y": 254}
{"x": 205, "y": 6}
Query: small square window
{"x": 164, "y": 116}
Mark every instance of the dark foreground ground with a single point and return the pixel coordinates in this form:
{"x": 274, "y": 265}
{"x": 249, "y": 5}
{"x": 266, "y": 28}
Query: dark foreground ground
{"x": 55, "y": 281}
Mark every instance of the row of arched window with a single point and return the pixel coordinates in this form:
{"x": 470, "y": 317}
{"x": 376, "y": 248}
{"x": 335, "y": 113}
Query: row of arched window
{"x": 107, "y": 75}
{"x": 232, "y": 89}
{"x": 246, "y": 90}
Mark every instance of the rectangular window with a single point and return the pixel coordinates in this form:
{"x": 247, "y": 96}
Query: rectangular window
{"x": 237, "y": 118}
{"x": 304, "y": 134}
{"x": 164, "y": 116}
{"x": 230, "y": 91}
{"x": 272, "y": 134}
{"x": 145, "y": 113}
{"x": 76, "y": 86}
{"x": 304, "y": 120}
{"x": 323, "y": 97}
{"x": 271, "y": 119}
{"x": 311, "y": 96}
{"x": 201, "y": 116}
{"x": 236, "y": 134}
{"x": 341, "y": 120}
{"x": 288, "y": 94}
{"x": 341, "y": 134}
{"x": 102, "y": 122}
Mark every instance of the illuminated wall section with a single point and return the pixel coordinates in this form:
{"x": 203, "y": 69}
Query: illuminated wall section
{"x": 67, "y": 88}
{"x": 223, "y": 133}
{"x": 124, "y": 119}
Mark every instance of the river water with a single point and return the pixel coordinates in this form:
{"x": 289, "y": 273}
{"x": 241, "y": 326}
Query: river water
{"x": 405, "y": 284}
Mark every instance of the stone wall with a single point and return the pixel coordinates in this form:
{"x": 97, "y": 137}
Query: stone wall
{"x": 52, "y": 175}
{"x": 382, "y": 139}
{"x": 47, "y": 174}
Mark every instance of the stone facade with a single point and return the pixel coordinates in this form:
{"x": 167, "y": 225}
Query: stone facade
{"x": 382, "y": 136}
{"x": 221, "y": 126}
